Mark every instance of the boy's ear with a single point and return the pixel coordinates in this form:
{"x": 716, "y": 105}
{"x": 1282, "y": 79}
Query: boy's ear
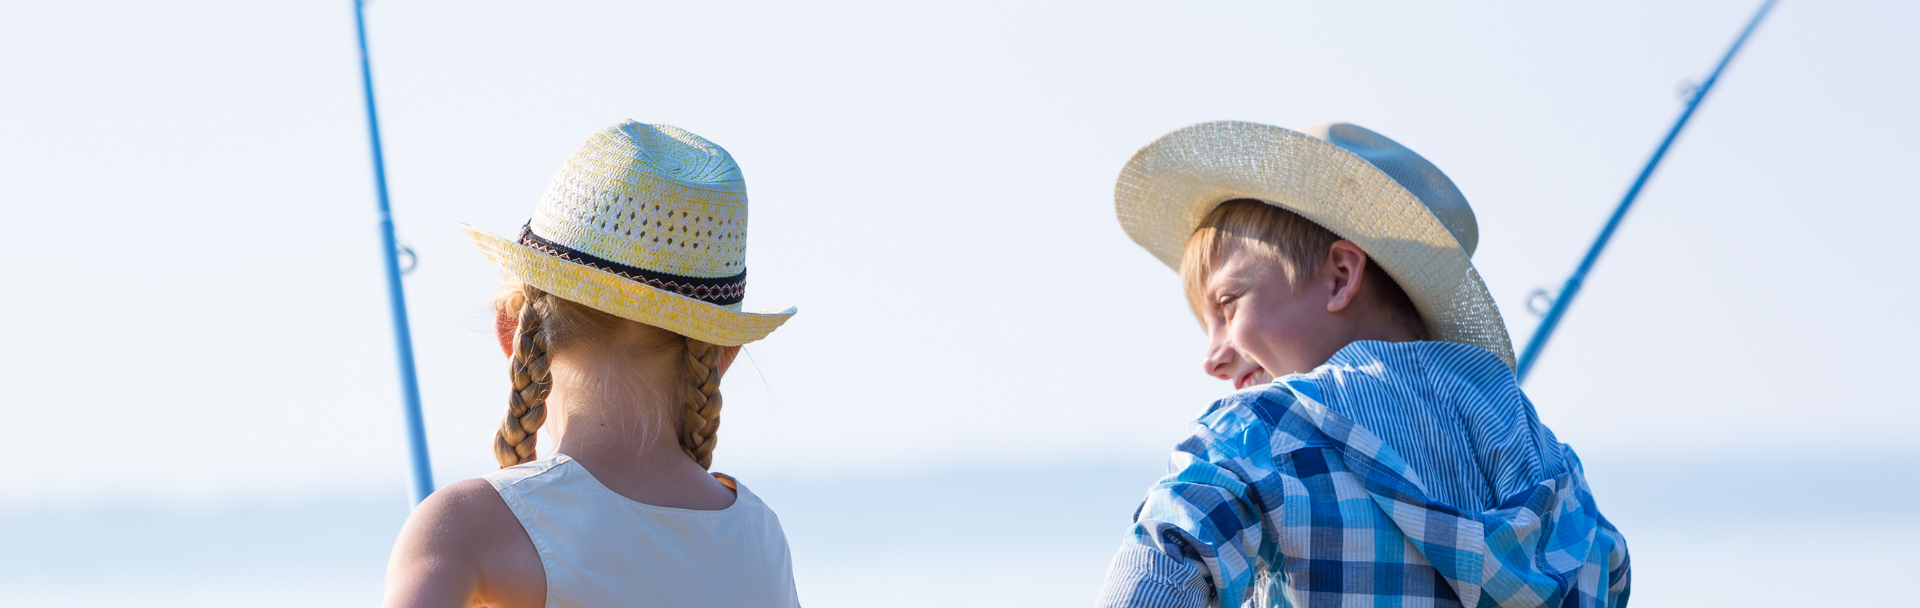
{"x": 1346, "y": 267}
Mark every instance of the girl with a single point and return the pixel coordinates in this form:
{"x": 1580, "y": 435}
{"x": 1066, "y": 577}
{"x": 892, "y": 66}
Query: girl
{"x": 621, "y": 312}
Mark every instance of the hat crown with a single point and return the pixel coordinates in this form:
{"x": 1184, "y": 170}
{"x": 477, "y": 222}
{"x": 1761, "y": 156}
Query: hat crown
{"x": 654, "y": 197}
{"x": 676, "y": 154}
{"x": 1411, "y": 171}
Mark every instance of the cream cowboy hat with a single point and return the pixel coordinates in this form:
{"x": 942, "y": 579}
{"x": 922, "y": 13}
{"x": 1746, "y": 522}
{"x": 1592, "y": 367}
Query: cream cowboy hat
{"x": 1399, "y": 208}
{"x": 644, "y": 222}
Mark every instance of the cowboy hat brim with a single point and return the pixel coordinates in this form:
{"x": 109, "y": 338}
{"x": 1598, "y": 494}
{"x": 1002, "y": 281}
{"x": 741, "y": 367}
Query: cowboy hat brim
{"x": 1170, "y": 185}
{"x": 625, "y": 298}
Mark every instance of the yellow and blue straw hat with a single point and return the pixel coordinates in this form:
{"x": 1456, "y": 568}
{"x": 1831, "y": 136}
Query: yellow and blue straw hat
{"x": 648, "y": 223}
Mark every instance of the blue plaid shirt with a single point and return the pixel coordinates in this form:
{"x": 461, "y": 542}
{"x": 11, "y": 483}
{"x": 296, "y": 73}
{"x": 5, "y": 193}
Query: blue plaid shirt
{"x": 1408, "y": 474}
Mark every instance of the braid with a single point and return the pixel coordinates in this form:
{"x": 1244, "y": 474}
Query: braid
{"x": 527, "y": 405}
{"x": 702, "y": 394}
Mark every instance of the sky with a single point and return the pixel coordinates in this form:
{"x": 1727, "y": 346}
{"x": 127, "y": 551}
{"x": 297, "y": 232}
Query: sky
{"x": 199, "y": 321}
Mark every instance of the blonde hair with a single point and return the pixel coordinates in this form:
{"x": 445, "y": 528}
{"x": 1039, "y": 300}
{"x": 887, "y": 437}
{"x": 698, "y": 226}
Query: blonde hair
{"x": 548, "y": 324}
{"x": 1294, "y": 243}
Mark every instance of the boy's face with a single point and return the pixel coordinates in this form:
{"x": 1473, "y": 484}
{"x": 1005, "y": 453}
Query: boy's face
{"x": 1260, "y": 327}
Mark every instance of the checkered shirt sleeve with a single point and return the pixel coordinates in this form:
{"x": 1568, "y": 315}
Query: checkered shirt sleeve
{"x": 1273, "y": 500}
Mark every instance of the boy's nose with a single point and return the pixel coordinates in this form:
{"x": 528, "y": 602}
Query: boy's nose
{"x": 1219, "y": 361}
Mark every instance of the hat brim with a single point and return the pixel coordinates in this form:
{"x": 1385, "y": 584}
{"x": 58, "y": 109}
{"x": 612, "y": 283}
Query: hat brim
{"x": 624, "y": 298}
{"x": 1170, "y": 185}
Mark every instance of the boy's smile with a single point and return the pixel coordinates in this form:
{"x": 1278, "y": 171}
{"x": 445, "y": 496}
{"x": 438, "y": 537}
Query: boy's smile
{"x": 1260, "y": 326}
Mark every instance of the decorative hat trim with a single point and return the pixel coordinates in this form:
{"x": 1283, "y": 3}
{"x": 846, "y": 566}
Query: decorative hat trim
{"x": 716, "y": 290}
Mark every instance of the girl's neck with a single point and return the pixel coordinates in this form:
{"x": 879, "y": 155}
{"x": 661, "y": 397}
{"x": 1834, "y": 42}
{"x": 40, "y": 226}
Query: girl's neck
{"x": 630, "y": 444}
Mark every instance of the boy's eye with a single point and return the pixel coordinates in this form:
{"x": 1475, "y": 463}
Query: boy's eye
{"x": 1225, "y": 300}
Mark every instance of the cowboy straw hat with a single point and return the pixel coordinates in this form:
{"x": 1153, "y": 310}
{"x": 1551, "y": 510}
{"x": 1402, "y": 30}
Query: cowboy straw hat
{"x": 648, "y": 223}
{"x": 1399, "y": 208}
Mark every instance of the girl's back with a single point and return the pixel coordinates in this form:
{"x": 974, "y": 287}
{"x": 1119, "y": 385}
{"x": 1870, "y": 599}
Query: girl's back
{"x": 601, "y": 549}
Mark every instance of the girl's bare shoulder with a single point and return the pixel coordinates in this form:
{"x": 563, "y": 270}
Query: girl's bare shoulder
{"x": 463, "y": 547}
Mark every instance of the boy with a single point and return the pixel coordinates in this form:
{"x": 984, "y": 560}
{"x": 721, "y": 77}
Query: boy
{"x": 1380, "y": 451}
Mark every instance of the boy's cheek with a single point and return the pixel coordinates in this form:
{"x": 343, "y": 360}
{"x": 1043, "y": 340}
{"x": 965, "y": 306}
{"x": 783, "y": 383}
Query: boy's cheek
{"x": 1247, "y": 343}
{"x": 1267, "y": 346}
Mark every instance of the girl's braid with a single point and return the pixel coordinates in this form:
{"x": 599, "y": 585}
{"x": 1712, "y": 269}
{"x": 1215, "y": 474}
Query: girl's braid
{"x": 701, "y": 419}
{"x": 527, "y": 405}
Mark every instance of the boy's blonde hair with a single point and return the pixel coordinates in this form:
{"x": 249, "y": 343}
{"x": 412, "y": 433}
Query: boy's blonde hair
{"x": 1294, "y": 243}
{"x": 548, "y": 323}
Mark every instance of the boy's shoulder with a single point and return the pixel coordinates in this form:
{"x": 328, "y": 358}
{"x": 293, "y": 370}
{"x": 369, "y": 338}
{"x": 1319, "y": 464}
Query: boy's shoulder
{"x": 1402, "y": 363}
{"x": 1411, "y": 377}
{"x": 1366, "y": 380}
{"x": 1264, "y": 404}
{"x": 1279, "y": 416}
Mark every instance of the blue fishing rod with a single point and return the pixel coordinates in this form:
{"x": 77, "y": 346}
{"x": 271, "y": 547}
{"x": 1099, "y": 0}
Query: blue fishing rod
{"x": 1572, "y": 288}
{"x": 402, "y": 333}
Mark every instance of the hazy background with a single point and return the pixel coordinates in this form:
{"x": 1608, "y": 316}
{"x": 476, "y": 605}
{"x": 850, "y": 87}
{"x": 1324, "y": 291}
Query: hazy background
{"x": 985, "y": 374}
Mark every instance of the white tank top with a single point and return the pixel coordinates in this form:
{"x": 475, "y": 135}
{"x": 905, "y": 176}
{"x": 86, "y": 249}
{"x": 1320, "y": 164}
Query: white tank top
{"x": 602, "y": 549}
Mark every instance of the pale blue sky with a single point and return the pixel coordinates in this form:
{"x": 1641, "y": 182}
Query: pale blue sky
{"x": 198, "y": 317}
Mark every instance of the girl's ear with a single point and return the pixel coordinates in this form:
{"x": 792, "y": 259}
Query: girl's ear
{"x": 727, "y": 353}
{"x": 504, "y": 325}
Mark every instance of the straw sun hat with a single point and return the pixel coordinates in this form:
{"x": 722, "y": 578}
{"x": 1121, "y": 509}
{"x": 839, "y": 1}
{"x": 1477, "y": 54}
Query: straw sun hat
{"x": 1399, "y": 208}
{"x": 644, "y": 222}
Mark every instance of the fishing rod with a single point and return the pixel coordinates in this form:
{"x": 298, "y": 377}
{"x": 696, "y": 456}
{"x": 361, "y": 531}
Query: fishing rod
{"x": 1572, "y": 288}
{"x": 402, "y": 334}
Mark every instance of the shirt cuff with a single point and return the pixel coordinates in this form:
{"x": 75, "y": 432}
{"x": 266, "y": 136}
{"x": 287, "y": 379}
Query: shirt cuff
{"x": 1142, "y": 577}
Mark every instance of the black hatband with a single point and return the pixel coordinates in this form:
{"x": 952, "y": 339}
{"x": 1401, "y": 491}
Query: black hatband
{"x": 718, "y": 290}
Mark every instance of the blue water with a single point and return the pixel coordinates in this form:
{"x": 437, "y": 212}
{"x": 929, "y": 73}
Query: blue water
{"x": 1776, "y": 530}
